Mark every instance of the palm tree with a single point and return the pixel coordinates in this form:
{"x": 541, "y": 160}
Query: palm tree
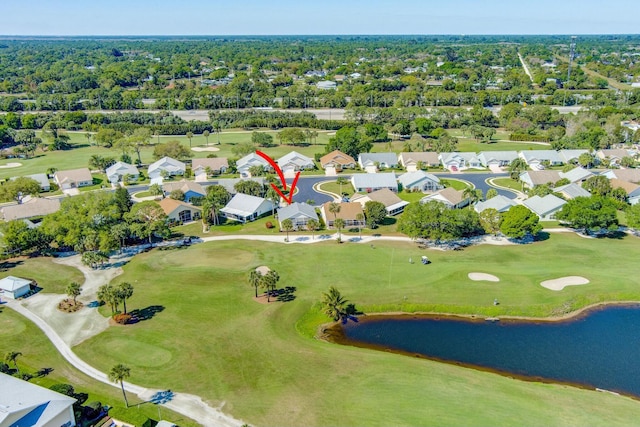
{"x": 74, "y": 290}
{"x": 334, "y": 208}
{"x": 312, "y": 226}
{"x": 125, "y": 291}
{"x": 269, "y": 281}
{"x": 339, "y": 223}
{"x": 273, "y": 196}
{"x": 516, "y": 168}
{"x": 341, "y": 180}
{"x": 11, "y": 357}
{"x": 255, "y": 280}
{"x": 360, "y": 218}
{"x": 117, "y": 374}
{"x": 334, "y": 304}
{"x": 206, "y": 134}
{"x": 189, "y": 135}
{"x": 287, "y": 225}
{"x": 472, "y": 194}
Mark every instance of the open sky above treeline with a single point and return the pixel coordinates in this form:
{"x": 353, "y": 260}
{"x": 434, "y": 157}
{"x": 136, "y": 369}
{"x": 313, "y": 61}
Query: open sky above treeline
{"x": 287, "y": 17}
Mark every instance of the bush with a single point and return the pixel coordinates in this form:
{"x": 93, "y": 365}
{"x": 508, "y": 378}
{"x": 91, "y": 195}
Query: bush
{"x": 129, "y": 416}
{"x": 122, "y": 318}
{"x": 268, "y": 224}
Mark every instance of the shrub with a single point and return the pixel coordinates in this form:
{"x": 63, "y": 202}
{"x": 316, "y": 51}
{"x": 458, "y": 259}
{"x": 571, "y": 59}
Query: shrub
{"x": 122, "y": 318}
{"x": 268, "y": 224}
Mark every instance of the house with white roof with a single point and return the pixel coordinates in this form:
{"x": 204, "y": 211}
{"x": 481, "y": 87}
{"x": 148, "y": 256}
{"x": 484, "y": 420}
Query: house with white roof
{"x": 451, "y": 197}
{"x": 413, "y": 160}
{"x": 252, "y": 159}
{"x": 545, "y": 207}
{"x": 420, "y": 181}
{"x": 577, "y": 174}
{"x": 326, "y": 84}
{"x": 500, "y": 203}
{"x": 571, "y": 155}
{"x": 117, "y": 171}
{"x": 25, "y": 404}
{"x": 536, "y": 159}
{"x": 368, "y": 182}
{"x": 460, "y": 161}
{"x": 166, "y": 166}
{"x": 74, "y": 178}
{"x": 41, "y": 178}
{"x": 244, "y": 208}
{"x": 372, "y": 162}
{"x": 497, "y": 158}
{"x": 392, "y": 203}
{"x": 298, "y": 213}
{"x": 293, "y": 162}
{"x": 571, "y": 191}
{"x": 14, "y": 287}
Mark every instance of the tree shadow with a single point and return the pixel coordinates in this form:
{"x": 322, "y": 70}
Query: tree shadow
{"x": 389, "y": 221}
{"x": 542, "y": 236}
{"x": 618, "y": 235}
{"x": 44, "y": 372}
{"x": 286, "y": 294}
{"x": 140, "y": 315}
{"x": 8, "y": 265}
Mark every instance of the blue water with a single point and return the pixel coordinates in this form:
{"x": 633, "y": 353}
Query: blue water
{"x": 599, "y": 350}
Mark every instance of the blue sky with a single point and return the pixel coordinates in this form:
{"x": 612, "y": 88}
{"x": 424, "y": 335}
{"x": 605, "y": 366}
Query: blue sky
{"x": 251, "y": 17}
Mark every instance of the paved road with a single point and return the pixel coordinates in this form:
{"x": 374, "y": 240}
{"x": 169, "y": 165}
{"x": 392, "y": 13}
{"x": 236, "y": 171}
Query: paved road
{"x": 479, "y": 180}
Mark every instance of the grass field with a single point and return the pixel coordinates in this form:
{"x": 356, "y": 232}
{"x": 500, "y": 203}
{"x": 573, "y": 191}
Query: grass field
{"x": 52, "y": 278}
{"x": 508, "y": 183}
{"x": 18, "y": 334}
{"x": 210, "y": 338}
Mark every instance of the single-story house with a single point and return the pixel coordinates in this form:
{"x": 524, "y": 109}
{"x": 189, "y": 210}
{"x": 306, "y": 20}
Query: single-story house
{"x": 451, "y": 197}
{"x": 497, "y": 158}
{"x": 252, "y": 159}
{"x": 632, "y": 190}
{"x": 613, "y": 155}
{"x": 545, "y": 207}
{"x": 460, "y": 161}
{"x": 243, "y": 208}
{"x": 372, "y": 162}
{"x": 368, "y": 182}
{"x": 74, "y": 178}
{"x": 30, "y": 207}
{"x": 27, "y": 404}
{"x": 14, "y": 287}
{"x": 571, "y": 191}
{"x": 298, "y": 213}
{"x": 533, "y": 178}
{"x": 294, "y": 161}
{"x": 326, "y": 84}
{"x": 189, "y": 188}
{"x": 348, "y": 212}
{"x": 216, "y": 166}
{"x": 420, "y": 181}
{"x": 168, "y": 166}
{"x": 536, "y": 159}
{"x": 42, "y": 179}
{"x": 411, "y": 161}
{"x": 629, "y": 175}
{"x": 117, "y": 171}
{"x": 500, "y": 203}
{"x": 179, "y": 211}
{"x": 392, "y": 203}
{"x": 577, "y": 174}
{"x": 337, "y": 160}
{"x": 571, "y": 156}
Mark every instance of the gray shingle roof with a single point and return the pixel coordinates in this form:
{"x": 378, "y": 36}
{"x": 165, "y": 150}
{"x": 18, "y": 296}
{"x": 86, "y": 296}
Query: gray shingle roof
{"x": 542, "y": 206}
{"x": 499, "y": 203}
{"x": 374, "y": 180}
{"x": 296, "y": 210}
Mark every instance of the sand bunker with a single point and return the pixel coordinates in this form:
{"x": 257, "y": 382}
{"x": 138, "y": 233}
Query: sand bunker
{"x": 11, "y": 165}
{"x": 559, "y": 284}
{"x": 205, "y": 149}
{"x": 483, "y": 276}
{"x": 263, "y": 269}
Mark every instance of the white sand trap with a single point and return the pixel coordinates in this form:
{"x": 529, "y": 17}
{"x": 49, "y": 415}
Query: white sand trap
{"x": 483, "y": 276}
{"x": 11, "y": 165}
{"x": 263, "y": 269}
{"x": 205, "y": 149}
{"x": 559, "y": 284}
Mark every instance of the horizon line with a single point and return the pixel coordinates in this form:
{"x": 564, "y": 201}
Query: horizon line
{"x": 324, "y": 35}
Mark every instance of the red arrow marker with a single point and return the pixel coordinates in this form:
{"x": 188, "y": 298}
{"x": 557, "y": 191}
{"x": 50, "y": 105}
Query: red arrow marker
{"x": 274, "y": 165}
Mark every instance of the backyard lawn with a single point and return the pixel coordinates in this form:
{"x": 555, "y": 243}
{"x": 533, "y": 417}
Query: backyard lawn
{"x": 210, "y": 338}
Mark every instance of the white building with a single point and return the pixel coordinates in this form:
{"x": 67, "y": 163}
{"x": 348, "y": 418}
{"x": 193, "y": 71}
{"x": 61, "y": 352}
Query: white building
{"x": 14, "y": 287}
{"x": 168, "y": 166}
{"x": 119, "y": 170}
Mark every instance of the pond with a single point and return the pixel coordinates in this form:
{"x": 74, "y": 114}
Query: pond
{"x": 597, "y": 349}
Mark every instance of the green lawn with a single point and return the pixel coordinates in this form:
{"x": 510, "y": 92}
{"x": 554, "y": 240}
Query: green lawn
{"x": 334, "y": 187}
{"x": 18, "y": 334}
{"x": 455, "y": 183}
{"x": 508, "y": 183}
{"x": 210, "y": 338}
{"x": 52, "y": 278}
